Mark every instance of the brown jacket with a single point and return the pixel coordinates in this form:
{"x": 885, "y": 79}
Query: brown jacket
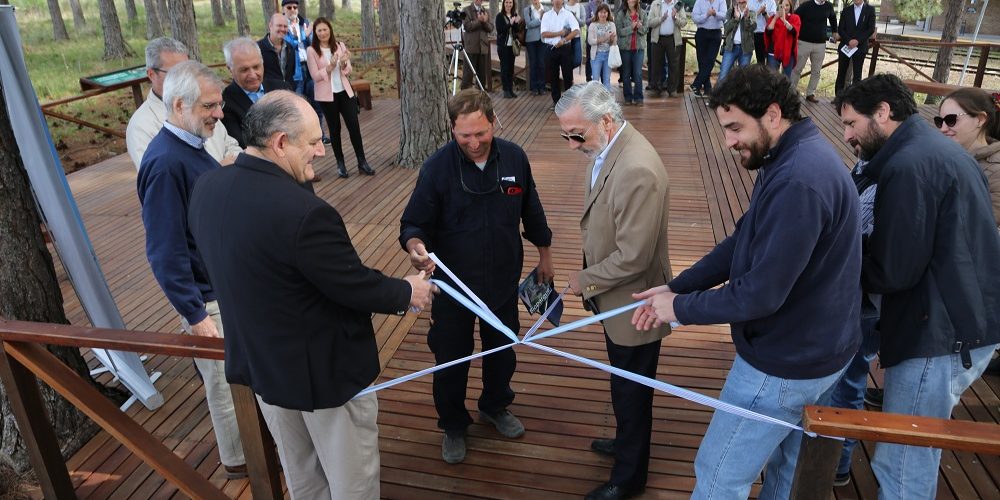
{"x": 625, "y": 233}
{"x": 989, "y": 160}
{"x": 477, "y": 34}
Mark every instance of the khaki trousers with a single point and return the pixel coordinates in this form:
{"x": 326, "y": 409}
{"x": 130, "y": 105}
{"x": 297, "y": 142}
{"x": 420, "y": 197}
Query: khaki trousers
{"x": 814, "y": 53}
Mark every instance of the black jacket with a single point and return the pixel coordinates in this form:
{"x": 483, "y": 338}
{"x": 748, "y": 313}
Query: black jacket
{"x": 862, "y": 30}
{"x": 505, "y": 29}
{"x": 272, "y": 63}
{"x": 477, "y": 235}
{"x": 296, "y": 299}
{"x": 935, "y": 252}
{"x": 814, "y": 20}
{"x": 238, "y": 104}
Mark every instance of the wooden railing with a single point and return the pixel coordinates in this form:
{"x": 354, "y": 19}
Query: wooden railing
{"x": 24, "y": 360}
{"x": 879, "y": 46}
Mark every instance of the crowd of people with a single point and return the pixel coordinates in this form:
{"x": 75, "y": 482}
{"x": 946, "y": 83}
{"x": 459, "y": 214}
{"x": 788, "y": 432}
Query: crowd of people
{"x": 897, "y": 257}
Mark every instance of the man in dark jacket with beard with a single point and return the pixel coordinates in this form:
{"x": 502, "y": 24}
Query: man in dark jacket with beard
{"x": 934, "y": 254}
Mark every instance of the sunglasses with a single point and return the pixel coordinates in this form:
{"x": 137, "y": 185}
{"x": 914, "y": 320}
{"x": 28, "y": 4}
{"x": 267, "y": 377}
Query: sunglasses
{"x": 581, "y": 138}
{"x": 949, "y": 120}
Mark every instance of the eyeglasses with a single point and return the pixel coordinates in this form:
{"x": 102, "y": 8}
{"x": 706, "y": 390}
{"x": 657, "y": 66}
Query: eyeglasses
{"x": 461, "y": 178}
{"x": 210, "y": 106}
{"x": 949, "y": 120}
{"x": 581, "y": 138}
{"x": 159, "y": 70}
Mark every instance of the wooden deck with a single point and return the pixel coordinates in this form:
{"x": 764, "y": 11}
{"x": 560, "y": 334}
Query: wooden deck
{"x": 563, "y": 405}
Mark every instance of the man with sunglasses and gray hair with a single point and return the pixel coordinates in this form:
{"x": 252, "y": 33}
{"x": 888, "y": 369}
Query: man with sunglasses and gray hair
{"x": 470, "y": 200}
{"x": 624, "y": 229}
{"x": 174, "y": 160}
{"x": 161, "y": 55}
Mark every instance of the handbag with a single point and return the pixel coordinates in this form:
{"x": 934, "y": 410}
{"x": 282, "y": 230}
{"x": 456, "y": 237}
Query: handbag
{"x": 577, "y": 49}
{"x": 515, "y": 47}
{"x": 614, "y": 56}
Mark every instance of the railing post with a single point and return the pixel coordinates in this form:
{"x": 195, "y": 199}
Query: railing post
{"x": 874, "y": 58}
{"x": 395, "y": 54}
{"x": 816, "y": 468}
{"x": 984, "y": 59}
{"x": 258, "y": 446}
{"x": 33, "y": 423}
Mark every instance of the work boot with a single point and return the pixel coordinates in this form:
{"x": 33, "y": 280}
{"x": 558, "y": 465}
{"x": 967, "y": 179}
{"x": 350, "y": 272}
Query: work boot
{"x": 453, "y": 446}
{"x": 506, "y": 423}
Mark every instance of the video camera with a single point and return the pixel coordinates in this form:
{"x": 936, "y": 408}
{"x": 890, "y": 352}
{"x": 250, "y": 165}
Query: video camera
{"x": 454, "y": 18}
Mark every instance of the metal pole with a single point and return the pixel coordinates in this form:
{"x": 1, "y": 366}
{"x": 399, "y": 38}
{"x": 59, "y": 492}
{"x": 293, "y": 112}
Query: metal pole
{"x": 975, "y": 35}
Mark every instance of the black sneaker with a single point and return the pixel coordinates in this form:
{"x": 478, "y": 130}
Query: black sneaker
{"x": 874, "y": 396}
{"x": 842, "y": 479}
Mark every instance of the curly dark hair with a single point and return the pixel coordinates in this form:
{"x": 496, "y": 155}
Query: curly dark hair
{"x": 865, "y": 96}
{"x": 753, "y": 88}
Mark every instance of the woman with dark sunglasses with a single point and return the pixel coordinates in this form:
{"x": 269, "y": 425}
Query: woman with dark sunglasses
{"x": 971, "y": 118}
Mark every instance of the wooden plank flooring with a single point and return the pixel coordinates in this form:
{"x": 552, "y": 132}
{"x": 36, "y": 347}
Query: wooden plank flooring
{"x": 562, "y": 404}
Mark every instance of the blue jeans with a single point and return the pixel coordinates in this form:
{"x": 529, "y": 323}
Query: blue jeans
{"x": 735, "y": 450}
{"x": 536, "y": 65}
{"x": 734, "y": 56}
{"x": 849, "y": 392}
{"x": 929, "y": 387}
{"x": 707, "y": 44}
{"x": 774, "y": 63}
{"x": 631, "y": 71}
{"x": 600, "y": 70}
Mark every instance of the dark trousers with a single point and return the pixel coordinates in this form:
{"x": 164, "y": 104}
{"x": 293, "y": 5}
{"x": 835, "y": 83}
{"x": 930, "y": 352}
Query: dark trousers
{"x": 537, "y": 55}
{"x": 759, "y": 49}
{"x": 450, "y": 338}
{"x": 482, "y": 64}
{"x": 633, "y": 406}
{"x": 664, "y": 52}
{"x": 706, "y": 45}
{"x": 560, "y": 58}
{"x": 506, "y": 67}
{"x": 347, "y": 107}
{"x": 586, "y": 49}
{"x": 856, "y": 65}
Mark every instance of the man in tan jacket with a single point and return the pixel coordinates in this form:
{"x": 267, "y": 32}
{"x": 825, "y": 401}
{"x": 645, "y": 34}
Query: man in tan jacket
{"x": 476, "y": 31}
{"x": 624, "y": 228}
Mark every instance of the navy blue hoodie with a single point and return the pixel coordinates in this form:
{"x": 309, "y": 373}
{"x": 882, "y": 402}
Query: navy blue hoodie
{"x": 792, "y": 264}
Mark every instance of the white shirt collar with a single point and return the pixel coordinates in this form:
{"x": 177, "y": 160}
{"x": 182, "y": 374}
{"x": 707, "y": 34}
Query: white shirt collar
{"x": 599, "y": 161}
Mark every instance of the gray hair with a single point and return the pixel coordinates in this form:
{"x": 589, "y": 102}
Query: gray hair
{"x": 242, "y": 44}
{"x": 273, "y": 113}
{"x": 184, "y": 82}
{"x": 158, "y": 46}
{"x": 594, "y": 100}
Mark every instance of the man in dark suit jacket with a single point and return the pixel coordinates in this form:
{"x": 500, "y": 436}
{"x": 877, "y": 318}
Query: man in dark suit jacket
{"x": 279, "y": 56}
{"x": 298, "y": 302}
{"x": 857, "y": 26}
{"x": 246, "y": 65}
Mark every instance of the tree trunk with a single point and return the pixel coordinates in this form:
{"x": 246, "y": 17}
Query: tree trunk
{"x": 79, "y": 22}
{"x": 345, "y": 4}
{"x": 184, "y": 27}
{"x": 422, "y": 93}
{"x": 388, "y": 20}
{"x": 327, "y": 9}
{"x": 495, "y": 7}
{"x": 58, "y": 25}
{"x": 130, "y": 12}
{"x": 242, "y": 23}
{"x": 153, "y": 27}
{"x": 227, "y": 10}
{"x": 217, "y": 19}
{"x": 302, "y": 9}
{"x": 164, "y": 14}
{"x": 269, "y": 8}
{"x": 29, "y": 291}
{"x": 367, "y": 31}
{"x": 949, "y": 33}
{"x": 114, "y": 43}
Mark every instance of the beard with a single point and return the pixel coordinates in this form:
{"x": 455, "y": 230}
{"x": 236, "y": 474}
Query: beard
{"x": 756, "y": 150}
{"x": 594, "y": 152}
{"x": 871, "y": 142}
{"x": 200, "y": 127}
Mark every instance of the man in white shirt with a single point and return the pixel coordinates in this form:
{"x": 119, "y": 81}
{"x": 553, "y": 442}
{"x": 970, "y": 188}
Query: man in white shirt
{"x": 559, "y": 28}
{"x": 161, "y": 55}
{"x": 763, "y": 9}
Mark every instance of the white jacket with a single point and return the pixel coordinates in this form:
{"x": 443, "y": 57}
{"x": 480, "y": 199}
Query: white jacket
{"x": 147, "y": 121}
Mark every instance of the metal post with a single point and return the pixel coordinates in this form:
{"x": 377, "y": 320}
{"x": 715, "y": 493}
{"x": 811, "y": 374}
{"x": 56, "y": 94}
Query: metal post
{"x": 975, "y": 36}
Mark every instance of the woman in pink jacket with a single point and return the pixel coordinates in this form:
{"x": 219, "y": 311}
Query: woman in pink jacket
{"x": 329, "y": 64}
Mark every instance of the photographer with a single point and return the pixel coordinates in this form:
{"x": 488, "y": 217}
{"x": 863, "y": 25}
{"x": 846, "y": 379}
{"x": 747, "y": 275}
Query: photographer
{"x": 476, "y": 38}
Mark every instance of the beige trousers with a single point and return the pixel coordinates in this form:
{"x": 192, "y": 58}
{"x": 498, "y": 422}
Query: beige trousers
{"x": 329, "y": 453}
{"x": 809, "y": 52}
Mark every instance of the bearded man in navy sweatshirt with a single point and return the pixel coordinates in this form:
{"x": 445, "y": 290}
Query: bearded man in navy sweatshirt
{"x": 174, "y": 160}
{"x": 790, "y": 289}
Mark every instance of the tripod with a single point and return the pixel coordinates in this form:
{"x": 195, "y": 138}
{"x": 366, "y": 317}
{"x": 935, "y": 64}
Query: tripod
{"x": 458, "y": 49}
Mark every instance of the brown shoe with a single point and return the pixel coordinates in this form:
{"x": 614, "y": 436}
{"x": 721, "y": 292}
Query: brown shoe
{"x": 812, "y": 99}
{"x": 316, "y": 178}
{"x": 236, "y": 471}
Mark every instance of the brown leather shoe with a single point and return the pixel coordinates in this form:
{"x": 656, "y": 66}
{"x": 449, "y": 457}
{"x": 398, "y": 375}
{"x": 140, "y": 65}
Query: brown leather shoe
{"x": 812, "y": 99}
{"x": 236, "y": 471}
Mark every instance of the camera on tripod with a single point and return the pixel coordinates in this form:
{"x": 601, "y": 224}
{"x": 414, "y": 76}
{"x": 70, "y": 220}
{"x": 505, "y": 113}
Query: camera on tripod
{"x": 454, "y": 18}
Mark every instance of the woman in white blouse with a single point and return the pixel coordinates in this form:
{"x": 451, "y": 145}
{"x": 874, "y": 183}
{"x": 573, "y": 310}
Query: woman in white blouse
{"x": 329, "y": 64}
